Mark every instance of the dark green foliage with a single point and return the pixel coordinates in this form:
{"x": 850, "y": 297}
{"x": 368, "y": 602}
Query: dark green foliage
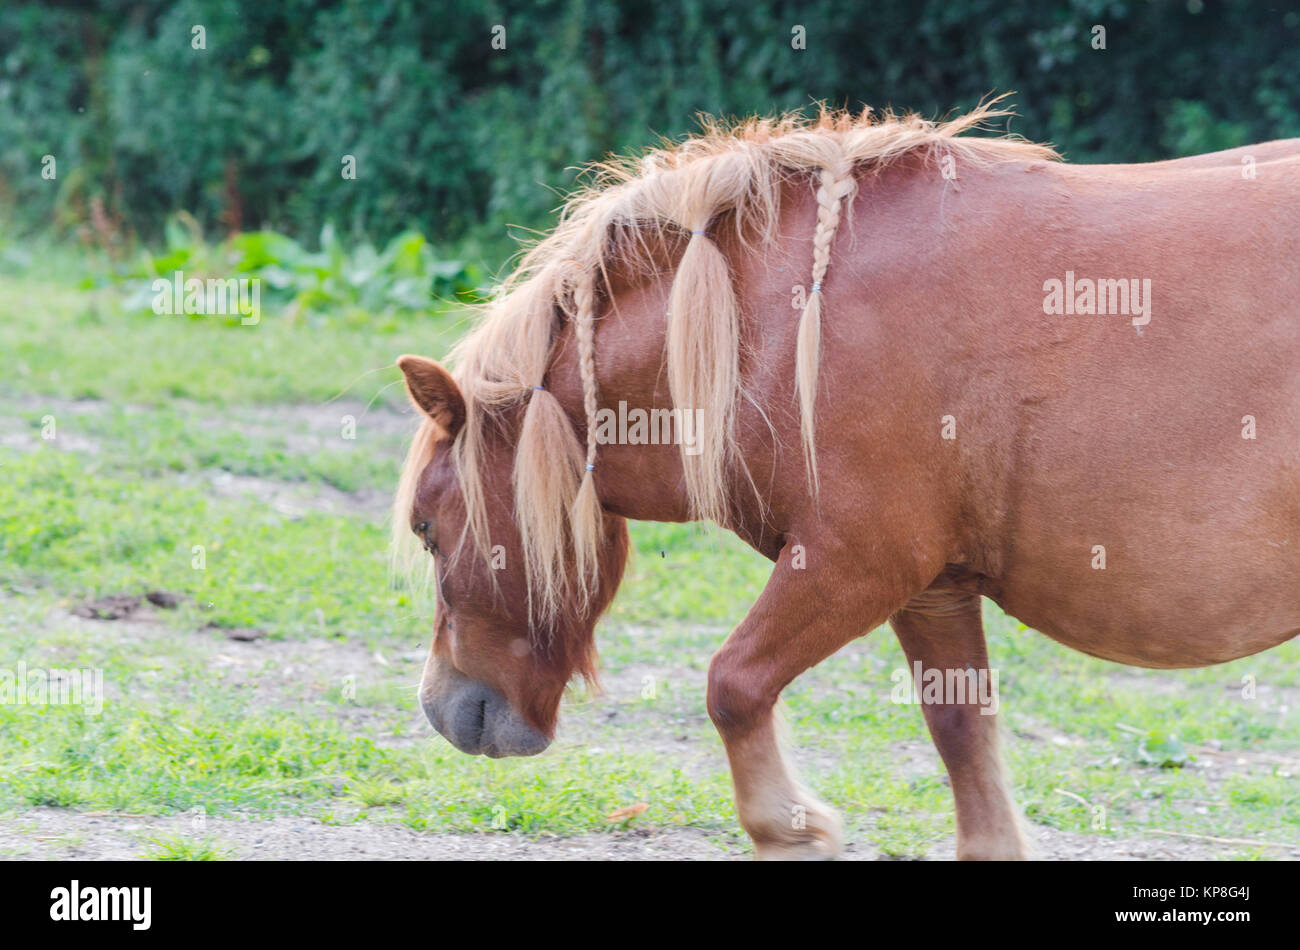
{"x": 457, "y": 140}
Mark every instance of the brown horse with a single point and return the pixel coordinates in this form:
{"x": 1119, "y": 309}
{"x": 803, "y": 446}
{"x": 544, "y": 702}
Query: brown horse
{"x": 926, "y": 368}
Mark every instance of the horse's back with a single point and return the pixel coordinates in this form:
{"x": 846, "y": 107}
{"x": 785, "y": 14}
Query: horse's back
{"x": 1156, "y": 512}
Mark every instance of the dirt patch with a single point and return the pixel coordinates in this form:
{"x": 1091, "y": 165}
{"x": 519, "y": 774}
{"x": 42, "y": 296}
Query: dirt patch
{"x": 304, "y": 430}
{"x": 293, "y": 499}
{"x": 51, "y": 834}
{"x": 121, "y": 606}
{"x": 112, "y": 607}
{"x": 1266, "y": 696}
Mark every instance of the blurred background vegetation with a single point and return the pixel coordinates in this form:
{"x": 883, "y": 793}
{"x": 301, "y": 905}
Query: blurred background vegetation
{"x": 457, "y": 141}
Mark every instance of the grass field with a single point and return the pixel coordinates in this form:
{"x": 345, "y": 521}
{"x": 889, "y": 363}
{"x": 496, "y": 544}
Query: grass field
{"x": 134, "y": 448}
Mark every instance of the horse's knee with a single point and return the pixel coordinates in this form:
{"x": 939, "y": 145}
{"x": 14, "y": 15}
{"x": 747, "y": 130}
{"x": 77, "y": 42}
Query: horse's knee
{"x": 736, "y": 701}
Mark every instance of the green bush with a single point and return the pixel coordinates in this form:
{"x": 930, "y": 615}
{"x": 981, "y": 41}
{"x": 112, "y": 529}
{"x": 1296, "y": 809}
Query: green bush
{"x": 457, "y": 140}
{"x": 404, "y": 277}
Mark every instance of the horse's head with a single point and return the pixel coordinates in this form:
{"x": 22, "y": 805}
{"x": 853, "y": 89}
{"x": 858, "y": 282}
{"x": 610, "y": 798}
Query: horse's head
{"x": 494, "y": 677}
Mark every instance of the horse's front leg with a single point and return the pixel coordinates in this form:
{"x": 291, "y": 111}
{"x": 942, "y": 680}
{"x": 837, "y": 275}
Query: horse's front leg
{"x": 801, "y": 617}
{"x": 942, "y": 631}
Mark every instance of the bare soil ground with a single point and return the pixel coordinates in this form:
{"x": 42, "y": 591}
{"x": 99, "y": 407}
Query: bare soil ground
{"x": 54, "y": 833}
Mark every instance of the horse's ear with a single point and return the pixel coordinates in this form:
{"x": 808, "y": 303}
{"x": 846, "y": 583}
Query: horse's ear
{"x": 434, "y": 391}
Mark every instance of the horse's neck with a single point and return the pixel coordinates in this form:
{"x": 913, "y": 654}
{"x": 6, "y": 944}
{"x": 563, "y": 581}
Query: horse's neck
{"x": 638, "y": 481}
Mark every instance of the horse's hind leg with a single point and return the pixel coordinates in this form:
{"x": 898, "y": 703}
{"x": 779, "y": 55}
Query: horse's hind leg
{"x": 942, "y": 630}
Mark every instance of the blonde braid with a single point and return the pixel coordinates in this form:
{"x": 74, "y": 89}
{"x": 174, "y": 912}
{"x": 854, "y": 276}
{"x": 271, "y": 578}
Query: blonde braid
{"x": 586, "y": 516}
{"x": 837, "y": 183}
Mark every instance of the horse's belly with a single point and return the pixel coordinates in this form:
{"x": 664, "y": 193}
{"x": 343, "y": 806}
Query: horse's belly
{"x": 1163, "y": 585}
{"x": 1169, "y": 643}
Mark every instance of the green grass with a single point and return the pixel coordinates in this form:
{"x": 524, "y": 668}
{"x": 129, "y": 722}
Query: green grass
{"x": 148, "y": 753}
{"x": 186, "y": 438}
{"x": 64, "y": 341}
{"x": 121, "y": 498}
{"x": 181, "y": 848}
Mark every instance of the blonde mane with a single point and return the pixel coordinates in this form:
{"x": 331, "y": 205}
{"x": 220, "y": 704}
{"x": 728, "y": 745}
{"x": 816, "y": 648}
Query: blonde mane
{"x": 729, "y": 175}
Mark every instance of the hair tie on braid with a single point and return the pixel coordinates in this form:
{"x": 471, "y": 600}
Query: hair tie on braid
{"x": 542, "y": 388}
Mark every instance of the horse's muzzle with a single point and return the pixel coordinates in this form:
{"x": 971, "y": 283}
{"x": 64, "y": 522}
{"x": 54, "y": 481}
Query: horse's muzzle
{"x": 475, "y": 718}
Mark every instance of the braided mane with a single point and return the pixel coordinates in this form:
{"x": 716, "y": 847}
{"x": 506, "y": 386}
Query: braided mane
{"x": 735, "y": 170}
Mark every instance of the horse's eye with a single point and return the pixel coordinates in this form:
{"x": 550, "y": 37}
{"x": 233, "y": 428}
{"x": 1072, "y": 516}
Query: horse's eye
{"x": 422, "y": 532}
